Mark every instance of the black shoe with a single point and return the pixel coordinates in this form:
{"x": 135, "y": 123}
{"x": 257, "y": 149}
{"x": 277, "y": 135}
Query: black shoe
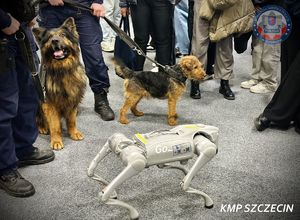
{"x": 226, "y": 91}
{"x": 261, "y": 123}
{"x": 14, "y": 184}
{"x": 102, "y": 106}
{"x": 35, "y": 157}
{"x": 195, "y": 90}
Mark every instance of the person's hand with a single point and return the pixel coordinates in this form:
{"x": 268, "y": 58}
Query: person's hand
{"x": 98, "y": 10}
{"x": 124, "y": 12}
{"x": 56, "y": 2}
{"x": 13, "y": 28}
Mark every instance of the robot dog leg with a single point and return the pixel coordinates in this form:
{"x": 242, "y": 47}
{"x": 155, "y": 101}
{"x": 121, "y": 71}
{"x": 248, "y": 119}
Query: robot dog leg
{"x": 134, "y": 160}
{"x": 206, "y": 150}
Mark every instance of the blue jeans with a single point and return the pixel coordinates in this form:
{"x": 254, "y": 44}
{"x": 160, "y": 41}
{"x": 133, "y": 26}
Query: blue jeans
{"x": 181, "y": 27}
{"x": 112, "y": 12}
{"x": 90, "y": 37}
{"x": 18, "y": 106}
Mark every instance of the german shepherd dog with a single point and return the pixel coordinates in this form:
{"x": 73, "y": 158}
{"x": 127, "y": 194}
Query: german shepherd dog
{"x": 139, "y": 84}
{"x": 65, "y": 81}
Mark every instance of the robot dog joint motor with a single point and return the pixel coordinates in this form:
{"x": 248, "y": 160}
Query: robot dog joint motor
{"x": 158, "y": 148}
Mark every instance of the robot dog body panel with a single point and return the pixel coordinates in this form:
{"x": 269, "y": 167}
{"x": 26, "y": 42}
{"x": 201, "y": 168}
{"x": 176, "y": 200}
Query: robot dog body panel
{"x": 177, "y": 144}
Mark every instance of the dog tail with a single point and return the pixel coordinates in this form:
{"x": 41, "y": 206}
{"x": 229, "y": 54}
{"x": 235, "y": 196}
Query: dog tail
{"x": 121, "y": 69}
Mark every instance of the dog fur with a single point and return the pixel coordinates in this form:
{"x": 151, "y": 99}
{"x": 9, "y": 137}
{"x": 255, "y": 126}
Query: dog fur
{"x": 139, "y": 84}
{"x": 65, "y": 81}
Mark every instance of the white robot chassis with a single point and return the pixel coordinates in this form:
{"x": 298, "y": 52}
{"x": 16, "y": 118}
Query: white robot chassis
{"x": 158, "y": 148}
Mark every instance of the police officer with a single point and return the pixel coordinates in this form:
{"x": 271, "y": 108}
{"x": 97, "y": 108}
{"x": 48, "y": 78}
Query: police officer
{"x": 90, "y": 36}
{"x": 18, "y": 105}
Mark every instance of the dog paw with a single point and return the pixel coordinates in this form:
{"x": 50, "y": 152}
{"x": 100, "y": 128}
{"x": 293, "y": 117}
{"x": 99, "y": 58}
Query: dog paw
{"x": 137, "y": 113}
{"x": 172, "y": 121}
{"x": 77, "y": 136}
{"x": 43, "y": 131}
{"x": 124, "y": 121}
{"x": 57, "y": 145}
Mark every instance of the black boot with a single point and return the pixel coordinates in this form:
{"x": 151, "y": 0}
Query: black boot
{"x": 225, "y": 90}
{"x": 14, "y": 184}
{"x": 35, "y": 156}
{"x": 195, "y": 90}
{"x": 102, "y": 106}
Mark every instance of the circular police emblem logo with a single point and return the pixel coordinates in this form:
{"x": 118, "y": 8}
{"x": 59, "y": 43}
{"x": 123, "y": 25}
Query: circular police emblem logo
{"x": 272, "y": 24}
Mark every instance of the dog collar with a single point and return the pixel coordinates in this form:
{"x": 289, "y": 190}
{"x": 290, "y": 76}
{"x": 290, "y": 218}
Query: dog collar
{"x": 175, "y": 72}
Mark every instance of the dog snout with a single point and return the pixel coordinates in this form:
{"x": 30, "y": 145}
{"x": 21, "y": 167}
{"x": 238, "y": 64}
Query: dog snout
{"x": 55, "y": 43}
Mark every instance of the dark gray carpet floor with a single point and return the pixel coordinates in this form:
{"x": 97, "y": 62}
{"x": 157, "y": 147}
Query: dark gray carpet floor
{"x": 250, "y": 168}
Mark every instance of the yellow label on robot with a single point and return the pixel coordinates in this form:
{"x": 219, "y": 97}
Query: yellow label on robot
{"x": 191, "y": 126}
{"x": 141, "y": 138}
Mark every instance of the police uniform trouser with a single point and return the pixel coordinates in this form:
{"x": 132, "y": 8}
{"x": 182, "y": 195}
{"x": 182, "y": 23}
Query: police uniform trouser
{"x": 18, "y": 105}
{"x": 90, "y": 37}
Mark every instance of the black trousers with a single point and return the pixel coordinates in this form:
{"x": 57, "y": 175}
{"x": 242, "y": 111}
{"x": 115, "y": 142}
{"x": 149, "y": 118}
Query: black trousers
{"x": 18, "y": 105}
{"x": 285, "y": 104}
{"x": 155, "y": 17}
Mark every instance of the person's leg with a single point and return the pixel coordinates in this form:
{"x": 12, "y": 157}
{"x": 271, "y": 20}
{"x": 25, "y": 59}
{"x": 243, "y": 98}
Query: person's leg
{"x": 286, "y": 100}
{"x": 53, "y": 17}
{"x": 257, "y": 57}
{"x": 116, "y": 16}
{"x": 109, "y": 13}
{"x": 9, "y": 96}
{"x": 200, "y": 36}
{"x": 162, "y": 23}
{"x": 10, "y": 179}
{"x": 141, "y": 21}
{"x": 190, "y": 23}
{"x": 224, "y": 66}
{"x": 90, "y": 36}
{"x": 107, "y": 43}
{"x": 180, "y": 26}
{"x": 199, "y": 45}
{"x": 24, "y": 125}
{"x": 270, "y": 60}
{"x": 18, "y": 131}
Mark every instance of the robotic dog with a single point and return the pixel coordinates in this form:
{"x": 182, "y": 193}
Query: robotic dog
{"x": 158, "y": 148}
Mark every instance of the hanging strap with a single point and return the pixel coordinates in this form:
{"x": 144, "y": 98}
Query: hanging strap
{"x": 126, "y": 26}
{"x": 27, "y": 55}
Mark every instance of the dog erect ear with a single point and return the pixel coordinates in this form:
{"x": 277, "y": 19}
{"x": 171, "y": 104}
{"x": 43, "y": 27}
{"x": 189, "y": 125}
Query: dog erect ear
{"x": 70, "y": 25}
{"x": 39, "y": 33}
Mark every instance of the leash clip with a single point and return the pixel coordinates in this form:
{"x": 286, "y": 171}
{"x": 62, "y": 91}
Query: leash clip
{"x": 21, "y": 35}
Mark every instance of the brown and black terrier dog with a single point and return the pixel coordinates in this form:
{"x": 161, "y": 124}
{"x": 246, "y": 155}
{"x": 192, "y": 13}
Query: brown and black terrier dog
{"x": 65, "y": 81}
{"x": 163, "y": 85}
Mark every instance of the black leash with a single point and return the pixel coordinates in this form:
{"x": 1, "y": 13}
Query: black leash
{"x": 133, "y": 45}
